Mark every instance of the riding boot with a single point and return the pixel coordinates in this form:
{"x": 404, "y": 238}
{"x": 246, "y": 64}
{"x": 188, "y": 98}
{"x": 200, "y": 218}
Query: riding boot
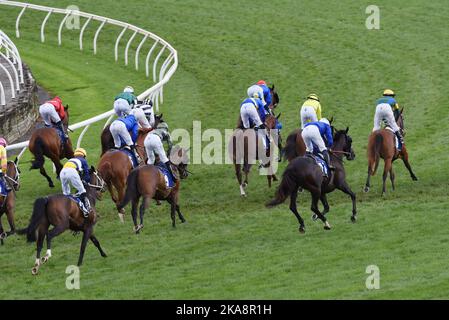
{"x": 168, "y": 166}
{"x": 400, "y": 139}
{"x": 86, "y": 203}
{"x": 327, "y": 158}
{"x": 134, "y": 150}
{"x": 60, "y": 125}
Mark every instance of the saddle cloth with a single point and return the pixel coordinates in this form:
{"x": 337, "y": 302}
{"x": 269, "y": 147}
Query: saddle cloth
{"x": 3, "y": 191}
{"x": 61, "y": 135}
{"x": 78, "y": 202}
{"x": 321, "y": 163}
{"x": 169, "y": 181}
{"x": 131, "y": 156}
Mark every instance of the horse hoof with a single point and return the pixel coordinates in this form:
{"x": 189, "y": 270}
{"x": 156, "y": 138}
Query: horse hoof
{"x": 327, "y": 226}
{"x": 51, "y": 185}
{"x": 34, "y": 271}
{"x": 104, "y": 255}
{"x": 44, "y": 259}
{"x": 302, "y": 229}
{"x": 314, "y": 217}
{"x": 3, "y": 236}
{"x": 121, "y": 217}
{"x": 353, "y": 219}
{"x": 243, "y": 195}
{"x": 366, "y": 189}
{"x": 245, "y": 184}
{"x": 415, "y": 178}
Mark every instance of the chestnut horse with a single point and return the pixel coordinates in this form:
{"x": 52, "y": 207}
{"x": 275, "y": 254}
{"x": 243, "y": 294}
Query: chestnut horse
{"x": 8, "y": 203}
{"x": 148, "y": 182}
{"x": 245, "y": 148}
{"x": 382, "y": 144}
{"x": 46, "y": 142}
{"x": 303, "y": 172}
{"x": 114, "y": 166}
{"x": 63, "y": 213}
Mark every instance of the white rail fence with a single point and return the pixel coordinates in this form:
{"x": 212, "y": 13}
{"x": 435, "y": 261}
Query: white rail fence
{"x": 160, "y": 76}
{"x": 11, "y": 56}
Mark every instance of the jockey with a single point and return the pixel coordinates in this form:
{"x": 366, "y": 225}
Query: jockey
{"x": 53, "y": 112}
{"x": 76, "y": 173}
{"x": 319, "y": 133}
{"x": 125, "y": 130}
{"x": 266, "y": 93}
{"x": 147, "y": 108}
{"x": 384, "y": 112}
{"x": 124, "y": 102}
{"x": 141, "y": 119}
{"x": 310, "y": 110}
{"x": 153, "y": 145}
{"x": 4, "y": 162}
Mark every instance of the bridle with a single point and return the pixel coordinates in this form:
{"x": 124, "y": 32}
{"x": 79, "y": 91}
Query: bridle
{"x": 100, "y": 185}
{"x": 16, "y": 180}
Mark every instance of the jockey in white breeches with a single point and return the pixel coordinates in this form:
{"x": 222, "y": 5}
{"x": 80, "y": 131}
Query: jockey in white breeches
{"x": 319, "y": 134}
{"x": 49, "y": 114}
{"x": 252, "y": 112}
{"x": 141, "y": 118}
{"x": 124, "y": 102}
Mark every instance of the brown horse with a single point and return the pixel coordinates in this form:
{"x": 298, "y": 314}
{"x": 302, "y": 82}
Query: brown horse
{"x": 148, "y": 182}
{"x": 246, "y": 148}
{"x": 304, "y": 172}
{"x": 114, "y": 166}
{"x": 8, "y": 203}
{"x": 46, "y": 142}
{"x": 381, "y": 144}
{"x": 294, "y": 146}
{"x": 63, "y": 213}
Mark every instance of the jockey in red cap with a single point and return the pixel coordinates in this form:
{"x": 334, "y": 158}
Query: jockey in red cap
{"x": 53, "y": 112}
{"x": 266, "y": 93}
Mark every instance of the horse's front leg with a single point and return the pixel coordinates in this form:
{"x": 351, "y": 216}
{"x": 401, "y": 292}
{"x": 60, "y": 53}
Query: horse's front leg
{"x": 346, "y": 189}
{"x": 86, "y": 236}
{"x": 10, "y": 215}
{"x": 407, "y": 164}
{"x": 238, "y": 174}
{"x": 293, "y": 208}
{"x": 315, "y": 198}
{"x": 97, "y": 244}
{"x": 44, "y": 173}
{"x": 39, "y": 245}
{"x": 2, "y": 232}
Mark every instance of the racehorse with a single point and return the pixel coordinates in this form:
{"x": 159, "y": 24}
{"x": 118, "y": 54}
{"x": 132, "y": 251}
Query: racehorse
{"x": 148, "y": 182}
{"x": 246, "y": 148}
{"x": 114, "y": 166}
{"x": 46, "y": 142}
{"x": 63, "y": 213}
{"x": 381, "y": 144}
{"x": 8, "y": 202}
{"x": 304, "y": 172}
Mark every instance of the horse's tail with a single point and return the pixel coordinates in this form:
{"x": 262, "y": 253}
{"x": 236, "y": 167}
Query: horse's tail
{"x": 290, "y": 146}
{"x": 131, "y": 189}
{"x": 287, "y": 185}
{"x": 376, "y": 155}
{"x": 38, "y": 151}
{"x": 39, "y": 210}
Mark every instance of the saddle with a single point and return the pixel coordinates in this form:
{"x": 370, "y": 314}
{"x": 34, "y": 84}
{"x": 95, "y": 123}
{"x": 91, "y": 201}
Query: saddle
{"x": 396, "y": 140}
{"x": 169, "y": 179}
{"x": 80, "y": 204}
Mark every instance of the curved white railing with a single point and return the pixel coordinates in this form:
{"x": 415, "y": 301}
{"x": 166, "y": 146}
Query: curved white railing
{"x": 10, "y": 54}
{"x": 160, "y": 75}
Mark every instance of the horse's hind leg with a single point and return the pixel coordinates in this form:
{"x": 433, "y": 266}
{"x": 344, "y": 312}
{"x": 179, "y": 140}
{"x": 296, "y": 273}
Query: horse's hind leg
{"x": 315, "y": 198}
{"x": 145, "y": 204}
{"x": 367, "y": 184}
{"x": 392, "y": 176}
{"x": 387, "y": 168}
{"x": 44, "y": 173}
{"x": 97, "y": 244}
{"x": 293, "y": 208}
{"x": 2, "y": 232}
{"x": 135, "y": 203}
{"x": 238, "y": 174}
{"x": 39, "y": 245}
{"x": 57, "y": 230}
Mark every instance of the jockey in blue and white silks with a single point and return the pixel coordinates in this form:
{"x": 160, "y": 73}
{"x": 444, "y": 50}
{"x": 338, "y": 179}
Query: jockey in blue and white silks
{"x": 266, "y": 93}
{"x": 125, "y": 131}
{"x": 319, "y": 134}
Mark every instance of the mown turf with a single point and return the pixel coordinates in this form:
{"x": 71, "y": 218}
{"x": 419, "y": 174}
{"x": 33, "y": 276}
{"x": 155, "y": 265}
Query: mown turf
{"x": 233, "y": 247}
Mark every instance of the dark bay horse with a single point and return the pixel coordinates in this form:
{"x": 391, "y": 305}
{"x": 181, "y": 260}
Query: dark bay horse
{"x": 304, "y": 172}
{"x": 46, "y": 142}
{"x": 8, "y": 203}
{"x": 63, "y": 213}
{"x": 245, "y": 148}
{"x": 382, "y": 144}
{"x": 114, "y": 167}
{"x": 148, "y": 182}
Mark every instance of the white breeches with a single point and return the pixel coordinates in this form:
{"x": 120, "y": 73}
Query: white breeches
{"x": 70, "y": 176}
{"x": 248, "y": 111}
{"x": 49, "y": 114}
{"x": 118, "y": 129}
{"x": 384, "y": 113}
{"x": 121, "y": 107}
{"x": 141, "y": 118}
{"x": 153, "y": 146}
{"x": 311, "y": 135}
{"x": 255, "y": 89}
{"x": 308, "y": 114}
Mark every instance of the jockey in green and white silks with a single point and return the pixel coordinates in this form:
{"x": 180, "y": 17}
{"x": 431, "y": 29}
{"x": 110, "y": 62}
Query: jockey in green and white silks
{"x": 124, "y": 101}
{"x": 384, "y": 113}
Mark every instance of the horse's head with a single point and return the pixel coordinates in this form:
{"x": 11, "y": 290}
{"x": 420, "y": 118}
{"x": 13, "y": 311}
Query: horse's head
{"x": 13, "y": 174}
{"x": 180, "y": 158}
{"x": 65, "y": 121}
{"x": 158, "y": 118}
{"x": 275, "y": 97}
{"x": 343, "y": 143}
{"x": 97, "y": 183}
